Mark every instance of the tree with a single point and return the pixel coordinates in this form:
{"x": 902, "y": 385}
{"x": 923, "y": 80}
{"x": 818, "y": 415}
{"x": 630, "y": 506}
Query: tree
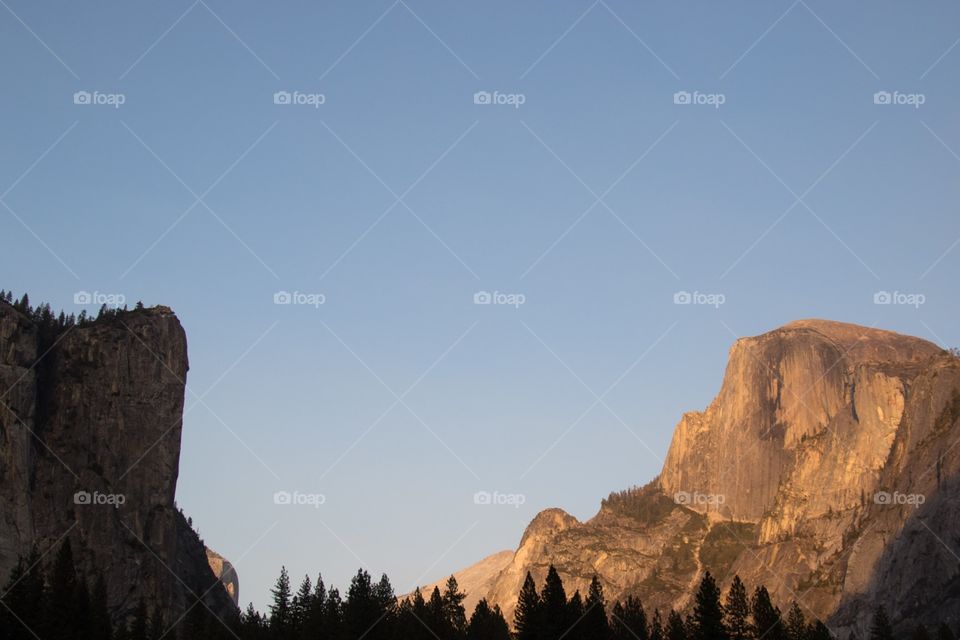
{"x": 656, "y": 626}
{"x": 300, "y": 605}
{"x": 280, "y": 608}
{"x": 140, "y": 627}
{"x": 62, "y": 617}
{"x": 100, "y": 624}
{"x": 767, "y": 621}
{"x": 526, "y": 617}
{"x": 487, "y": 623}
{"x": 574, "y": 618}
{"x": 675, "y": 627}
{"x": 880, "y": 628}
{"x": 629, "y": 621}
{"x": 595, "y": 624}
{"x": 818, "y": 631}
{"x": 554, "y": 620}
{"x": 453, "y": 606}
{"x": 736, "y": 611}
{"x": 361, "y": 611}
{"x": 796, "y": 623}
{"x": 707, "y": 619}
{"x": 944, "y": 632}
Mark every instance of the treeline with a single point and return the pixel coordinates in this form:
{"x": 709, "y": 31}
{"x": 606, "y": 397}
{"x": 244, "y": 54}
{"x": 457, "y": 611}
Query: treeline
{"x": 60, "y": 604}
{"x": 371, "y": 610}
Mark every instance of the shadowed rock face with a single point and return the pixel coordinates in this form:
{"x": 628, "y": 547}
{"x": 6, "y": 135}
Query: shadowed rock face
{"x": 784, "y": 479}
{"x": 89, "y": 449}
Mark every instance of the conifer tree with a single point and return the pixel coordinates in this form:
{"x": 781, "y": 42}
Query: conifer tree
{"x": 554, "y": 618}
{"x": 944, "y": 632}
{"x": 140, "y": 626}
{"x": 657, "y": 631}
{"x": 629, "y": 621}
{"x": 101, "y": 627}
{"x": 816, "y": 630}
{"x": 574, "y": 616}
{"x": 526, "y": 617}
{"x": 707, "y": 619}
{"x": 361, "y": 611}
{"x": 767, "y": 621}
{"x": 675, "y": 630}
{"x": 280, "y": 608}
{"x": 300, "y": 606}
{"x": 736, "y": 611}
{"x": 595, "y": 624}
{"x": 796, "y": 623}
{"x": 487, "y": 623}
{"x": 453, "y": 606}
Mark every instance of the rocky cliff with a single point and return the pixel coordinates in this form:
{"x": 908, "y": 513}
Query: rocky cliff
{"x": 825, "y": 469}
{"x": 90, "y": 421}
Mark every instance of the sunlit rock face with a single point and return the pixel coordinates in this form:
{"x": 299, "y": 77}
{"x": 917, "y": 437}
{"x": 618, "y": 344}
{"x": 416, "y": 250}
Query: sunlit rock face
{"x": 824, "y": 469}
{"x": 90, "y": 448}
{"x": 226, "y": 573}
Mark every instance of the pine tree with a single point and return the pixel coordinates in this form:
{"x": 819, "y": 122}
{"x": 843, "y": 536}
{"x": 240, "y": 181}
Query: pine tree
{"x": 453, "y": 606}
{"x": 818, "y": 631}
{"x": 280, "y": 608}
{"x": 736, "y": 611}
{"x": 313, "y": 626}
{"x": 675, "y": 630}
{"x": 920, "y": 633}
{"x": 767, "y": 621}
{"x": 707, "y": 620}
{"x": 300, "y": 606}
{"x": 595, "y": 624}
{"x": 944, "y": 632}
{"x": 880, "y": 628}
{"x": 629, "y": 621}
{"x": 555, "y": 619}
{"x": 526, "y": 617}
{"x": 656, "y": 626}
{"x": 796, "y": 623}
{"x": 361, "y": 611}
{"x": 487, "y": 623}
{"x": 574, "y": 616}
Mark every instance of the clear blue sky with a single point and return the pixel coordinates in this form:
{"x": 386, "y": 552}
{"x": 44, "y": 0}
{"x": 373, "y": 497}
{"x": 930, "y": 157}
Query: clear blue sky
{"x": 797, "y": 197}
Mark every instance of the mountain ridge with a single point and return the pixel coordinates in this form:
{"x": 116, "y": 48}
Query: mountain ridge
{"x": 781, "y": 479}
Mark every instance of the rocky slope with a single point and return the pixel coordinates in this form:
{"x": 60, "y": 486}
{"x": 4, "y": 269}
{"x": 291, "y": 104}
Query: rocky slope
{"x": 804, "y": 474}
{"x": 90, "y": 425}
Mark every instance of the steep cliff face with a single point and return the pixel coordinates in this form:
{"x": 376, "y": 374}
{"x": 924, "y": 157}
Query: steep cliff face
{"x": 90, "y": 427}
{"x": 824, "y": 469}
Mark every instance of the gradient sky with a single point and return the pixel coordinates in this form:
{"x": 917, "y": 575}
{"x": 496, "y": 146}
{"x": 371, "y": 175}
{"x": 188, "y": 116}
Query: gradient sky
{"x": 398, "y": 198}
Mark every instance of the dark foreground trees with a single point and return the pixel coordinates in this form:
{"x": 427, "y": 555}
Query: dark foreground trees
{"x": 51, "y": 601}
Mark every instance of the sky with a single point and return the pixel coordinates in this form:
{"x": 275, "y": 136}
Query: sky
{"x": 484, "y": 219}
